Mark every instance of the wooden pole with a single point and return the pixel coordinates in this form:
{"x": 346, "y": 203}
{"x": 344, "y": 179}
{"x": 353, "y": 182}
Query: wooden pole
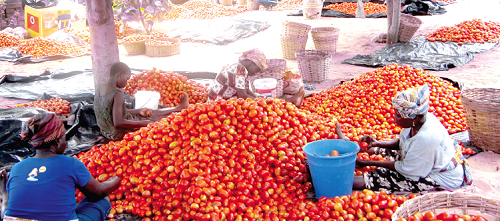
{"x": 393, "y": 20}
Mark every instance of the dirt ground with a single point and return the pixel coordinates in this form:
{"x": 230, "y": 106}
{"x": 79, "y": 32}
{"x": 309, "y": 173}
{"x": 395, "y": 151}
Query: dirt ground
{"x": 355, "y": 38}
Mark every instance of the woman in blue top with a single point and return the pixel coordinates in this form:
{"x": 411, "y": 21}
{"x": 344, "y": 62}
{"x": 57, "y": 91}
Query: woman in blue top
{"x": 43, "y": 187}
{"x": 427, "y": 157}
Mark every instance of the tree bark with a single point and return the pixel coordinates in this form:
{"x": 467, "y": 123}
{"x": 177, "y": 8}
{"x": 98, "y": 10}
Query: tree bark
{"x": 393, "y": 20}
{"x": 104, "y": 43}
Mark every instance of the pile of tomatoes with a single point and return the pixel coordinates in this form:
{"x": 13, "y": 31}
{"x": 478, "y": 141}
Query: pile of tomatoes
{"x": 42, "y": 47}
{"x": 230, "y": 160}
{"x": 352, "y": 7}
{"x": 170, "y": 86}
{"x": 473, "y": 31}
{"x": 123, "y": 30}
{"x": 80, "y": 33}
{"x": 56, "y": 105}
{"x": 444, "y": 216}
{"x": 202, "y": 10}
{"x": 364, "y": 105}
{"x": 7, "y": 40}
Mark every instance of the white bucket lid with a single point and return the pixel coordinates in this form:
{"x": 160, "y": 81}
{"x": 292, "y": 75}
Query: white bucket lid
{"x": 265, "y": 85}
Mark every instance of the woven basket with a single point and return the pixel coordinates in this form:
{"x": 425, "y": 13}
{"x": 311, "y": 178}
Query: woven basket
{"x": 135, "y": 48}
{"x": 312, "y": 12}
{"x": 276, "y": 70}
{"x": 482, "y": 110}
{"x": 289, "y": 45}
{"x": 164, "y": 50}
{"x": 325, "y": 38}
{"x": 467, "y": 202}
{"x": 407, "y": 28}
{"x": 242, "y": 2}
{"x": 253, "y": 5}
{"x": 314, "y": 65}
{"x": 295, "y": 29}
{"x": 226, "y": 2}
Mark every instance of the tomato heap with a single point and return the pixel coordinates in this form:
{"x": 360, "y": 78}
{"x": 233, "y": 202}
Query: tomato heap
{"x": 201, "y": 10}
{"x": 82, "y": 34}
{"x": 444, "y": 216}
{"x": 41, "y": 47}
{"x": 352, "y": 7}
{"x": 7, "y": 40}
{"x": 170, "y": 85}
{"x": 236, "y": 158}
{"x": 127, "y": 30}
{"x": 473, "y": 31}
{"x": 366, "y": 156}
{"x": 134, "y": 38}
{"x": 364, "y": 105}
{"x": 56, "y": 105}
{"x": 288, "y": 5}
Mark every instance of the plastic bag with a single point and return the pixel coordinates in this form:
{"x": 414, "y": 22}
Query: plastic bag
{"x": 39, "y": 3}
{"x": 292, "y": 83}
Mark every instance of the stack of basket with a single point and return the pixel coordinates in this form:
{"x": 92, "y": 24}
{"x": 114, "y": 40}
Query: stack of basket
{"x": 293, "y": 37}
{"x": 482, "y": 110}
{"x": 325, "y": 38}
{"x": 314, "y": 65}
{"x": 407, "y": 28}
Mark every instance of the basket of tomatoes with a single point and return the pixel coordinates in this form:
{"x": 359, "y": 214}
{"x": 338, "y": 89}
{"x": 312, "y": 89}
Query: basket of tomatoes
{"x": 449, "y": 206}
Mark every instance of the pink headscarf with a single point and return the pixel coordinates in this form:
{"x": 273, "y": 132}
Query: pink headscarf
{"x": 256, "y": 56}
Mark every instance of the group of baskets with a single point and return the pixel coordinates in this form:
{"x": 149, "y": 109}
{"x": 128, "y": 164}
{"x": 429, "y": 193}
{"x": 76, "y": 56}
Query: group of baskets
{"x": 314, "y": 65}
{"x": 170, "y": 47}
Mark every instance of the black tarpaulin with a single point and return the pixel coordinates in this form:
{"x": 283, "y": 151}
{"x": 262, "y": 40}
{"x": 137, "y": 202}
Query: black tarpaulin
{"x": 420, "y": 53}
{"x": 219, "y": 31}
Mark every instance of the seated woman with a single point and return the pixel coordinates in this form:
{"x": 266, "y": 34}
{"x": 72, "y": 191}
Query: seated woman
{"x": 233, "y": 82}
{"x": 113, "y": 118}
{"x": 429, "y": 157}
{"x": 43, "y": 187}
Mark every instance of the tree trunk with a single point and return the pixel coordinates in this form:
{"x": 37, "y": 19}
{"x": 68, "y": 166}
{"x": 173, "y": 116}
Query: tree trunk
{"x": 393, "y": 20}
{"x": 104, "y": 43}
{"x": 360, "y": 13}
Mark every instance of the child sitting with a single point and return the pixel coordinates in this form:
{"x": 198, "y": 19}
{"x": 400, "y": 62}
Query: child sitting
{"x": 113, "y": 118}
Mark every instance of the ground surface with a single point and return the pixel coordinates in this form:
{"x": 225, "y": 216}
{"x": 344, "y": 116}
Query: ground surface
{"x": 355, "y": 38}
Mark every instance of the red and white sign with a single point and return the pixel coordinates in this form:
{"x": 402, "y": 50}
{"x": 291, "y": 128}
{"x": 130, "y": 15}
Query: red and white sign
{"x": 33, "y": 23}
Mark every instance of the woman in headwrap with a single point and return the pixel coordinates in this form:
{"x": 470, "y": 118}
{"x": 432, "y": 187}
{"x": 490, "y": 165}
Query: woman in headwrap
{"x": 43, "y": 187}
{"x": 428, "y": 156}
{"x": 232, "y": 81}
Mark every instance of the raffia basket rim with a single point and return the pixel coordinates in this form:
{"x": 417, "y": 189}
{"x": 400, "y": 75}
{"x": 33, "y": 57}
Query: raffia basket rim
{"x": 448, "y": 200}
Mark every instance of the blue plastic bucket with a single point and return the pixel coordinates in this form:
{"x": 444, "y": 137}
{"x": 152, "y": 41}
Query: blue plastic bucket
{"x": 332, "y": 176}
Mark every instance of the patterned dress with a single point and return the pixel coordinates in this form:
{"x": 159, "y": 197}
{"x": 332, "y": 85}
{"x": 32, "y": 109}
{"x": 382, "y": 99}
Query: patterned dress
{"x": 232, "y": 77}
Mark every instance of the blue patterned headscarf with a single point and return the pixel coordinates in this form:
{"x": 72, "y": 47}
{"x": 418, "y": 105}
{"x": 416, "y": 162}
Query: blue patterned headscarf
{"x": 412, "y": 102}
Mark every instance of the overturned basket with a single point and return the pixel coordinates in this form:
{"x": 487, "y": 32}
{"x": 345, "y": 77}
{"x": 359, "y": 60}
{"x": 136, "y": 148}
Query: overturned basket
{"x": 157, "y": 49}
{"x": 468, "y": 203}
{"x": 295, "y": 29}
{"x": 482, "y": 110}
{"x": 314, "y": 65}
{"x": 135, "y": 47}
{"x": 325, "y": 38}
{"x": 407, "y": 28}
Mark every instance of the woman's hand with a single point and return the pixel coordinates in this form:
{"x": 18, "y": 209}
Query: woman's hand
{"x": 363, "y": 163}
{"x": 145, "y": 112}
{"x": 369, "y": 140}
